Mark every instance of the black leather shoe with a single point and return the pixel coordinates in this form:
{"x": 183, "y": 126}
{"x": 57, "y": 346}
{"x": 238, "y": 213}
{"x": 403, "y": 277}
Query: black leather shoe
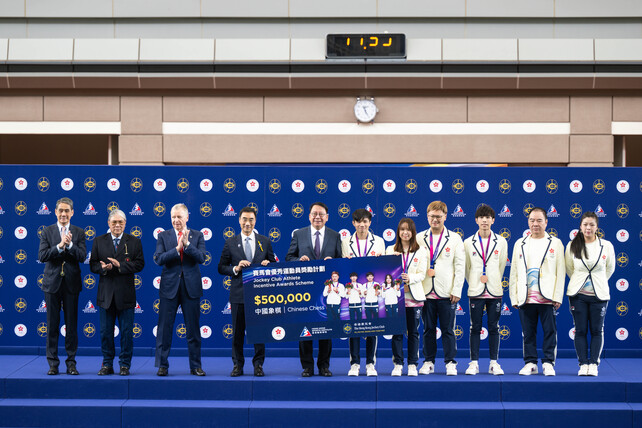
{"x": 307, "y": 373}
{"x": 124, "y": 371}
{"x": 52, "y": 371}
{"x": 258, "y": 371}
{"x": 237, "y": 371}
{"x": 104, "y": 370}
{"x": 325, "y": 372}
{"x": 162, "y": 371}
{"x": 71, "y": 370}
{"x": 197, "y": 372}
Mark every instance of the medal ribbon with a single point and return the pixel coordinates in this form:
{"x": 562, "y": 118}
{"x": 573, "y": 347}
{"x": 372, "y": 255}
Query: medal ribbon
{"x": 365, "y": 250}
{"x": 434, "y": 254}
{"x": 405, "y": 260}
{"x": 484, "y": 254}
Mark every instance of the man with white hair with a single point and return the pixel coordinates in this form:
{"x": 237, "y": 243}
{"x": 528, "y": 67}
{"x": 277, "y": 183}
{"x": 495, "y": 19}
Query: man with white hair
{"x": 116, "y": 257}
{"x": 179, "y": 251}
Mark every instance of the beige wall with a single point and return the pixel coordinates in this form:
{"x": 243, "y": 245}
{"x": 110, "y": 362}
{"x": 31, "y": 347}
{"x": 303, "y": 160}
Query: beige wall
{"x": 142, "y": 141}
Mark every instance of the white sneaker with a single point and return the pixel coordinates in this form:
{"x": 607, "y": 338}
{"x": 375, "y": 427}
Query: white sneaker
{"x": 395, "y": 371}
{"x": 354, "y": 370}
{"x": 592, "y": 370}
{"x": 583, "y": 371}
{"x": 528, "y": 369}
{"x": 451, "y": 369}
{"x": 370, "y": 370}
{"x": 427, "y": 368}
{"x": 494, "y": 368}
{"x": 473, "y": 368}
{"x": 547, "y": 369}
{"x": 412, "y": 370}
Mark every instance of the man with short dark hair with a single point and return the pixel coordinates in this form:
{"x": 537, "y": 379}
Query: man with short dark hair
{"x": 116, "y": 256}
{"x": 363, "y": 243}
{"x": 239, "y": 252}
{"x": 62, "y": 249}
{"x": 315, "y": 242}
{"x": 486, "y": 255}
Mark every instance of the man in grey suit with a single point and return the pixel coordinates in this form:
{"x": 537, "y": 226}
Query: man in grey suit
{"x": 315, "y": 242}
{"x": 62, "y": 248}
{"x": 241, "y": 251}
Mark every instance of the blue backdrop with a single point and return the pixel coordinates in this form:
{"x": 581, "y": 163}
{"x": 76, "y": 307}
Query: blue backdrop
{"x": 282, "y": 195}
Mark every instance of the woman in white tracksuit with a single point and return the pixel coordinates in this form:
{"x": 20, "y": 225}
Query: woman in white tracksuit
{"x": 590, "y": 262}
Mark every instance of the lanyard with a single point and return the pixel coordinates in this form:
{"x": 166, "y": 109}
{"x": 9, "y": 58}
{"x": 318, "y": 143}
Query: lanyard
{"x": 434, "y": 254}
{"x": 365, "y": 250}
{"x": 484, "y": 254}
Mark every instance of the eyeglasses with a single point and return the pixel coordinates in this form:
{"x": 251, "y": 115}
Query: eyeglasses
{"x": 435, "y": 217}
{"x": 317, "y": 214}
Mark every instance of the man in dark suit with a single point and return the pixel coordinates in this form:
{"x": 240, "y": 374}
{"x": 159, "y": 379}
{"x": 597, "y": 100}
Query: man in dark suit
{"x": 62, "y": 248}
{"x": 179, "y": 251}
{"x": 116, "y": 256}
{"x": 315, "y": 242}
{"x": 239, "y": 252}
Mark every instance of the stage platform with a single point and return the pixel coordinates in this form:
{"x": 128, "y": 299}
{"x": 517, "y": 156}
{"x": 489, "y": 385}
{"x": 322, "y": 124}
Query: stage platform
{"x": 28, "y": 397}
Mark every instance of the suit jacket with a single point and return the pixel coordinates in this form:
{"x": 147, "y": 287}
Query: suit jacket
{"x": 117, "y": 284}
{"x": 495, "y": 264}
{"x": 233, "y": 252}
{"x": 167, "y": 257}
{"x": 69, "y": 257}
{"x": 598, "y": 269}
{"x": 552, "y": 271}
{"x": 449, "y": 267}
{"x": 301, "y": 245}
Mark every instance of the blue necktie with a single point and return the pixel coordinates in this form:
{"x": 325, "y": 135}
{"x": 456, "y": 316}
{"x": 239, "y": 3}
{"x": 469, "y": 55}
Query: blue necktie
{"x": 116, "y": 241}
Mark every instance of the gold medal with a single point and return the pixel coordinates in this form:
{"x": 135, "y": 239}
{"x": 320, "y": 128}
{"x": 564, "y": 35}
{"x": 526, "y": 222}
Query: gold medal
{"x": 483, "y": 279}
{"x": 431, "y": 272}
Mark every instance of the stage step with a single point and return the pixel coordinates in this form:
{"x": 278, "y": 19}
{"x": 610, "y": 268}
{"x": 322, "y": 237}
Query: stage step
{"x": 28, "y": 397}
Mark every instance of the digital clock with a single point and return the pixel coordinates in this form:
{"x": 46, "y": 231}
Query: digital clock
{"x": 365, "y": 46}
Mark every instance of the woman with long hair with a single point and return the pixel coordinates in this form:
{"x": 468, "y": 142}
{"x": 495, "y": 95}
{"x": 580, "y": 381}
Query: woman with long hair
{"x": 414, "y": 262}
{"x": 590, "y": 262}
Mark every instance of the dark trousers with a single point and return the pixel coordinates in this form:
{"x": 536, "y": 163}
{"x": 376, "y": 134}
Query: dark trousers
{"x": 355, "y": 312}
{"x": 165, "y": 331}
{"x": 493, "y": 309}
{"x": 68, "y": 302}
{"x": 126, "y": 325}
{"x": 372, "y": 311}
{"x": 334, "y": 312}
{"x": 528, "y": 315}
{"x": 391, "y": 311}
{"x": 355, "y": 350}
{"x": 238, "y": 338}
{"x": 588, "y": 315}
{"x": 413, "y": 318}
{"x": 443, "y": 310}
{"x": 306, "y": 354}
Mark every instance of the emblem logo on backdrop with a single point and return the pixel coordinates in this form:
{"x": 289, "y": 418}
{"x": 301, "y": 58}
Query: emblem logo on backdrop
{"x": 43, "y": 184}
{"x": 182, "y": 185}
{"x": 274, "y": 186}
{"x": 411, "y": 186}
{"x": 321, "y": 186}
{"x": 89, "y": 184}
{"x": 136, "y": 184}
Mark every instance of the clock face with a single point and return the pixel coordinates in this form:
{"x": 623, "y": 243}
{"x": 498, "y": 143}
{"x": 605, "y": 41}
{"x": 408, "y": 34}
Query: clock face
{"x": 365, "y": 110}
